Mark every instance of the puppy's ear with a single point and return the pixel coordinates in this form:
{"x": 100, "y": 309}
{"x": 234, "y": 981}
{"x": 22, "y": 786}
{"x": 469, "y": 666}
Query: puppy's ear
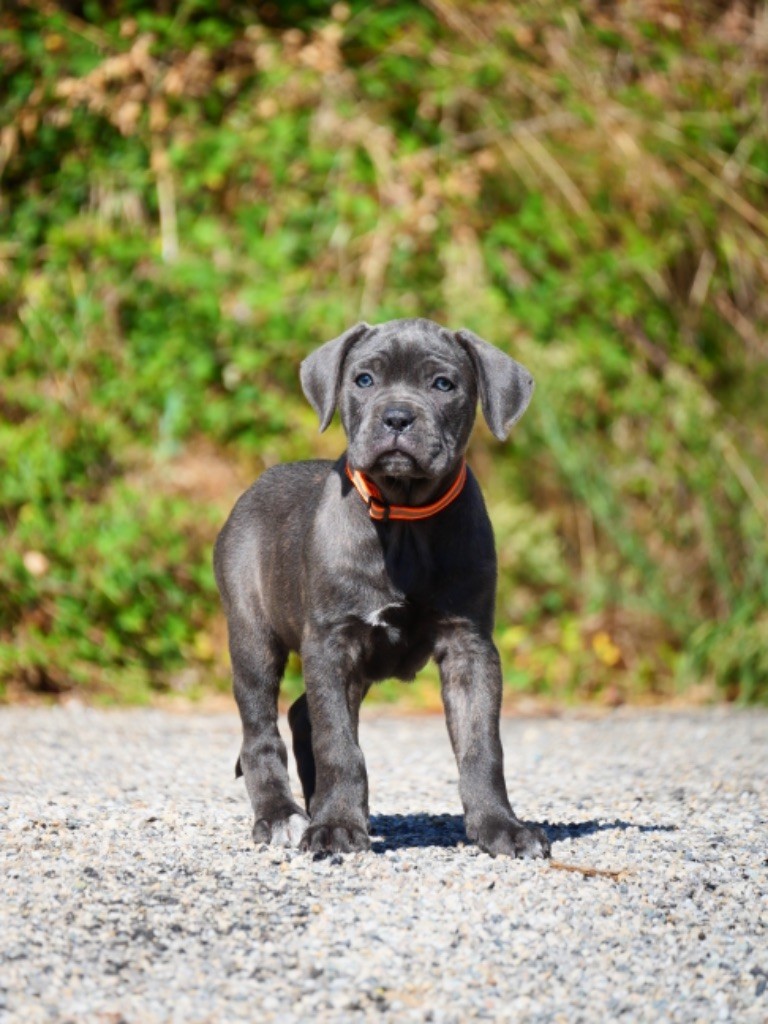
{"x": 505, "y": 386}
{"x": 321, "y": 372}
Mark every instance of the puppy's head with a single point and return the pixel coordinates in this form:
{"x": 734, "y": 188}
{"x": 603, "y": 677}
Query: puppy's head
{"x": 407, "y": 391}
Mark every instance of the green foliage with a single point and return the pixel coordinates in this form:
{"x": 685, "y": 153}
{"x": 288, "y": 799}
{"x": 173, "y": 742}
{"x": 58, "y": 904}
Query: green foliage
{"x": 192, "y": 200}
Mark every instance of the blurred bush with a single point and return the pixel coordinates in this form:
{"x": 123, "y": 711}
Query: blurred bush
{"x": 196, "y": 194}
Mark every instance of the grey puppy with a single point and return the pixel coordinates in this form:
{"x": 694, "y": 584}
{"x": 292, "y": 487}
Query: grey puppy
{"x": 368, "y": 566}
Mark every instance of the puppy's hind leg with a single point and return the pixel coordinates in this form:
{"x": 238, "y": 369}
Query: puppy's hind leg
{"x": 258, "y": 661}
{"x": 301, "y": 730}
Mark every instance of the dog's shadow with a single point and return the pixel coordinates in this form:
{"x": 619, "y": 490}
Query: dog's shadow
{"x": 406, "y": 831}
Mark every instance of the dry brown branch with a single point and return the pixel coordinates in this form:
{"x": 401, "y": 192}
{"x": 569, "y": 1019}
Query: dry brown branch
{"x": 721, "y": 189}
{"x": 374, "y": 267}
{"x": 456, "y": 21}
{"x": 544, "y": 160}
{"x": 701, "y": 282}
{"x": 166, "y": 201}
{"x": 533, "y": 126}
{"x": 655, "y": 355}
{"x": 742, "y": 472}
{"x": 742, "y": 325}
{"x": 588, "y": 872}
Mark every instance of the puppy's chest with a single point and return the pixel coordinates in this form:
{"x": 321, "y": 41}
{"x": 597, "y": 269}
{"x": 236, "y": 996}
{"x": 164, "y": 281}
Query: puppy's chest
{"x": 395, "y": 639}
{"x": 409, "y": 562}
{"x": 395, "y": 621}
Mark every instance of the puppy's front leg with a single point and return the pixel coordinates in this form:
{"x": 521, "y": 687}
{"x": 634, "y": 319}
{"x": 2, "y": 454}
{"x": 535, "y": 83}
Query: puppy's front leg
{"x": 470, "y": 674}
{"x": 339, "y": 805}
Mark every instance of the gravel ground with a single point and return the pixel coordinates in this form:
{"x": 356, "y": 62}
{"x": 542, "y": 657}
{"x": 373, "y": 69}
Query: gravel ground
{"x": 132, "y": 891}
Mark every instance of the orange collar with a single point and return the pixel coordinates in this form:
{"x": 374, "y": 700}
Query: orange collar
{"x": 380, "y": 509}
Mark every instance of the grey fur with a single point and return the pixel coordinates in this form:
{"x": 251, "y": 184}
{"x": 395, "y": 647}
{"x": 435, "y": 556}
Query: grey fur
{"x": 302, "y": 567}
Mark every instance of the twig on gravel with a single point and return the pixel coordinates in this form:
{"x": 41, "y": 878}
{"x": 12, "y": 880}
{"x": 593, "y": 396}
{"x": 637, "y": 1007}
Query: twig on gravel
{"x": 617, "y": 876}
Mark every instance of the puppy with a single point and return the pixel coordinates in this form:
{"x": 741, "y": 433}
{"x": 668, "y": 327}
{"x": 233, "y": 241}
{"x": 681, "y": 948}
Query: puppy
{"x": 369, "y": 566}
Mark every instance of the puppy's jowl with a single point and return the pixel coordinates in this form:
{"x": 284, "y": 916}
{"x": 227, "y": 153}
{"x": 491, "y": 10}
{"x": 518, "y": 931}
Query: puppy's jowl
{"x": 369, "y": 566}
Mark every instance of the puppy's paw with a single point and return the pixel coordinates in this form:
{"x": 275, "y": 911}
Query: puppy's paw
{"x": 511, "y": 838}
{"x": 285, "y": 829}
{"x": 335, "y": 837}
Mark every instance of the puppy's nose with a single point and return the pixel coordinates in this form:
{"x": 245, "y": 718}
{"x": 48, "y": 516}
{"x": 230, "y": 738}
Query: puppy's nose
{"x": 398, "y": 418}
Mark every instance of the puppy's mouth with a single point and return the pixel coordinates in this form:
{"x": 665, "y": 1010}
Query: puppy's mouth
{"x": 397, "y": 463}
{"x": 407, "y": 458}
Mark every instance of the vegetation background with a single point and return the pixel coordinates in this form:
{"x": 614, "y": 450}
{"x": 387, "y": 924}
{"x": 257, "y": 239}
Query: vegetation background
{"x": 195, "y": 194}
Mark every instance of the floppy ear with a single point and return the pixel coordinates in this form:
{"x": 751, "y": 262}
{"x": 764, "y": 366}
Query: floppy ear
{"x": 505, "y": 386}
{"x": 321, "y": 372}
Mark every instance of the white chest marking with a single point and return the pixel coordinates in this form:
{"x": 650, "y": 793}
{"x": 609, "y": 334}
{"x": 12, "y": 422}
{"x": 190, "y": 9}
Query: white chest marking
{"x": 379, "y": 617}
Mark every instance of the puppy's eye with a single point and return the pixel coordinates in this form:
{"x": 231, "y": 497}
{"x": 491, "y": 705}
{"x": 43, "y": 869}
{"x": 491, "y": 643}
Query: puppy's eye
{"x": 364, "y": 380}
{"x": 442, "y": 384}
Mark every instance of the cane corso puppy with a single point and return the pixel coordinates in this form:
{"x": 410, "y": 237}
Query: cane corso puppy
{"x": 369, "y": 566}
